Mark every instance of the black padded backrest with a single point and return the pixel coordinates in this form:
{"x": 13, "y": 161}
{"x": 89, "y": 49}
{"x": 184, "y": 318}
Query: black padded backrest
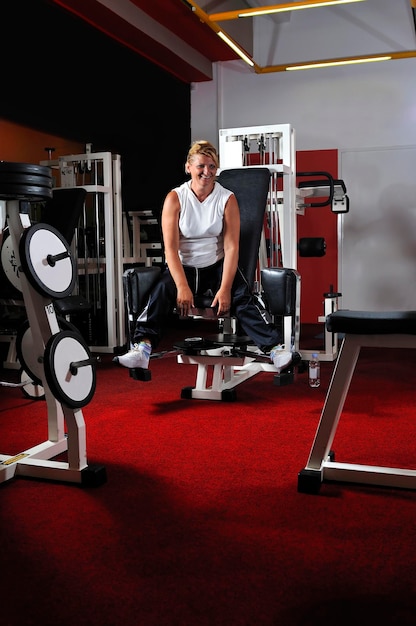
{"x": 251, "y": 187}
{"x": 64, "y": 210}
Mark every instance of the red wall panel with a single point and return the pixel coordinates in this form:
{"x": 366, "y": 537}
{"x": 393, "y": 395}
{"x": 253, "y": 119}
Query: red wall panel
{"x": 317, "y": 273}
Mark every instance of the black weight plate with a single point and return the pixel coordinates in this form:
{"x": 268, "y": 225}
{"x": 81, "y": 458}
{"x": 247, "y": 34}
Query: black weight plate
{"x": 10, "y": 287}
{"x": 33, "y": 193}
{"x": 25, "y": 179}
{"x": 73, "y": 390}
{"x": 193, "y": 345}
{"x": 36, "y": 244}
{"x": 223, "y": 339}
{"x": 24, "y": 168}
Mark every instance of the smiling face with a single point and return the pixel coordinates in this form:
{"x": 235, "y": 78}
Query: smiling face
{"x": 203, "y": 170}
{"x": 202, "y": 164}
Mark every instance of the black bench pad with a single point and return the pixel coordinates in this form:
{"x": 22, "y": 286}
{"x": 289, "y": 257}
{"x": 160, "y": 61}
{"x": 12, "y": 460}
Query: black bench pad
{"x": 372, "y": 322}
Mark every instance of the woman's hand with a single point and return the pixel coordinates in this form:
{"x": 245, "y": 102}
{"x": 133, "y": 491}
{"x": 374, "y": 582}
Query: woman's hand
{"x": 184, "y": 300}
{"x": 222, "y": 300}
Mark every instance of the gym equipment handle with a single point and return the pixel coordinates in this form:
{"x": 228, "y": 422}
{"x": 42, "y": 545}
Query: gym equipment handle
{"x": 53, "y": 258}
{"x": 75, "y": 365}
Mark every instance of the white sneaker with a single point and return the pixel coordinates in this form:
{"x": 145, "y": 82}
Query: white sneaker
{"x": 138, "y": 356}
{"x": 280, "y": 357}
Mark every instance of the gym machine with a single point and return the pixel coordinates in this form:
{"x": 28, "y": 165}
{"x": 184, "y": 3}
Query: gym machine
{"x": 59, "y": 359}
{"x": 275, "y": 277}
{"x": 98, "y": 242}
{"x": 273, "y": 147}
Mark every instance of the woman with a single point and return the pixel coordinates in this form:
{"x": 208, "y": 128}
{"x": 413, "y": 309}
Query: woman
{"x": 201, "y": 231}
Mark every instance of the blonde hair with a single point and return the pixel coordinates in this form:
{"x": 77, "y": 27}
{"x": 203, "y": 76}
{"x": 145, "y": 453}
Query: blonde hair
{"x": 202, "y": 147}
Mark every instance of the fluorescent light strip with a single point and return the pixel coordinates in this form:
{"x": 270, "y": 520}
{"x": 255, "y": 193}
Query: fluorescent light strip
{"x": 295, "y": 7}
{"x": 236, "y": 49}
{"x": 309, "y": 66}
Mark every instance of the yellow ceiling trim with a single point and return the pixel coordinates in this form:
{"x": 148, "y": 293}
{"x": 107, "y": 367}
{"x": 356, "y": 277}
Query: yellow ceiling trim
{"x": 275, "y": 8}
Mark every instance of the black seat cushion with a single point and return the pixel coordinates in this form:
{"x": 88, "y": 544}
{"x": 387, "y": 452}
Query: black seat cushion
{"x": 372, "y": 322}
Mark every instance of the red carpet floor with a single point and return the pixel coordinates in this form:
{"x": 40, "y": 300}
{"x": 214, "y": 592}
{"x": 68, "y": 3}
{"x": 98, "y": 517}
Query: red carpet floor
{"x": 200, "y": 522}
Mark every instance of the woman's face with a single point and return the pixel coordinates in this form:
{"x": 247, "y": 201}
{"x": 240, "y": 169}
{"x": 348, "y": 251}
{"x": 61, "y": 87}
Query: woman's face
{"x": 202, "y": 169}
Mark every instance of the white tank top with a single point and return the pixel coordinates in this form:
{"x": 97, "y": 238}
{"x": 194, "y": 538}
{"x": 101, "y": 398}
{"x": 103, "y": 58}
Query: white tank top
{"x": 201, "y": 225}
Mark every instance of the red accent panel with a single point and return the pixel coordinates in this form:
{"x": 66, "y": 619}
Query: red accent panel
{"x": 317, "y": 273}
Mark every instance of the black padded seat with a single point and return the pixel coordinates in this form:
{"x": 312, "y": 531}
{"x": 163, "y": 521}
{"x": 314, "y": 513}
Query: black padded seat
{"x": 64, "y": 209}
{"x": 372, "y": 322}
{"x": 251, "y": 187}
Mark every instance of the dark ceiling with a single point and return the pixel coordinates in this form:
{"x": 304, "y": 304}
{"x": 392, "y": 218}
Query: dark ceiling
{"x": 180, "y": 27}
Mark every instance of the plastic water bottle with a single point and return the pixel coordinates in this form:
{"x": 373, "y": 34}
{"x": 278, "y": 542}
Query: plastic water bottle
{"x": 314, "y": 371}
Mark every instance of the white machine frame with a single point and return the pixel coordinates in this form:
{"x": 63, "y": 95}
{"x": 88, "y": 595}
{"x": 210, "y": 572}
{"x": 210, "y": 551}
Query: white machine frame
{"x": 219, "y": 371}
{"x": 284, "y": 205}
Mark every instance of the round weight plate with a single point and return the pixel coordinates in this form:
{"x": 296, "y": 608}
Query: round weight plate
{"x": 31, "y": 390}
{"x": 46, "y": 260}
{"x": 73, "y": 389}
{"x": 9, "y": 268}
{"x": 24, "y": 181}
{"x": 223, "y": 339}
{"x": 28, "y": 359}
{"x": 33, "y": 193}
{"x": 192, "y": 345}
{"x": 25, "y": 168}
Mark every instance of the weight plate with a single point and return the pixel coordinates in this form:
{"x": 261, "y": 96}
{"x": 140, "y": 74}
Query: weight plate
{"x": 9, "y": 269}
{"x": 223, "y": 339}
{"x": 47, "y": 261}
{"x": 25, "y": 168}
{"x": 34, "y": 193}
{"x": 25, "y": 179}
{"x": 64, "y": 349}
{"x": 28, "y": 359}
{"x": 31, "y": 390}
{"x": 192, "y": 345}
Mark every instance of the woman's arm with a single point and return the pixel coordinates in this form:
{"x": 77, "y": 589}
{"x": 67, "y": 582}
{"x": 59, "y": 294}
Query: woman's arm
{"x": 231, "y": 250}
{"x": 170, "y": 230}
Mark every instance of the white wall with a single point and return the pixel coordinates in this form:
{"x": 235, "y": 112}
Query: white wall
{"x": 356, "y": 108}
{"x": 346, "y": 107}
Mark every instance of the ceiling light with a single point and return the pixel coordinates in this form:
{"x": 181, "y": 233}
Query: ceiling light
{"x": 309, "y": 66}
{"x": 276, "y": 8}
{"x": 236, "y": 49}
